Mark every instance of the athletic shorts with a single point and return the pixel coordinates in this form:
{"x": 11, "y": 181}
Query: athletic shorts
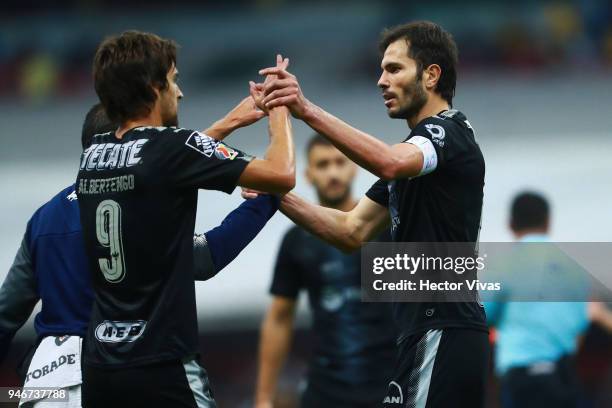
{"x": 440, "y": 368}
{"x": 314, "y": 398}
{"x": 543, "y": 384}
{"x": 167, "y": 384}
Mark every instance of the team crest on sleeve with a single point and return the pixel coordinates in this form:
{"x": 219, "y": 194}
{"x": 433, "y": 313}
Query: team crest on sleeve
{"x": 202, "y": 143}
{"x": 437, "y": 133}
{"x": 224, "y": 152}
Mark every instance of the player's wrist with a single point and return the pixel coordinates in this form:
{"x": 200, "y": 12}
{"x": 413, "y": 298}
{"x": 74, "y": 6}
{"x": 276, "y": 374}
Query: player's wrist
{"x": 279, "y": 111}
{"x": 286, "y": 199}
{"x": 220, "y": 129}
{"x": 309, "y": 112}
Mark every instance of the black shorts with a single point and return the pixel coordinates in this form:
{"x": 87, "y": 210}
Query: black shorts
{"x": 315, "y": 398}
{"x": 441, "y": 368}
{"x": 166, "y": 384}
{"x": 544, "y": 384}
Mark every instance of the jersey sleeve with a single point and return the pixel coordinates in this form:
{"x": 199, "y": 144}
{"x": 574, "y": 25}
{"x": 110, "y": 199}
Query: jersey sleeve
{"x": 379, "y": 193}
{"x": 204, "y": 268}
{"x": 431, "y": 137}
{"x": 286, "y": 281}
{"x": 239, "y": 228}
{"x": 18, "y": 296}
{"x": 197, "y": 160}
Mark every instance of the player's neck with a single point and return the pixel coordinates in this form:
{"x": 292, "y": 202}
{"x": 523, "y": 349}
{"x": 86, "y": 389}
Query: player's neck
{"x": 152, "y": 119}
{"x": 518, "y": 235}
{"x": 435, "y": 104}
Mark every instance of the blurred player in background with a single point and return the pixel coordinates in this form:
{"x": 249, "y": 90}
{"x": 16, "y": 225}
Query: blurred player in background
{"x": 431, "y": 187}
{"x": 51, "y": 266}
{"x": 355, "y": 342}
{"x": 536, "y": 341}
{"x": 137, "y": 190}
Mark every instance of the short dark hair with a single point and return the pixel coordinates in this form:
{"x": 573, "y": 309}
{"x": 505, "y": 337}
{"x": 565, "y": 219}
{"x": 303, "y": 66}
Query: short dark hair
{"x": 428, "y": 44}
{"x": 316, "y": 140}
{"x": 127, "y": 68}
{"x": 529, "y": 210}
{"x": 96, "y": 121}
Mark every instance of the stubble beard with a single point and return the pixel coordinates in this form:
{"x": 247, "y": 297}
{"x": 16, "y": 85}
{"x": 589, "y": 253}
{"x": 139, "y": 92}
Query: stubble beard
{"x": 418, "y": 99}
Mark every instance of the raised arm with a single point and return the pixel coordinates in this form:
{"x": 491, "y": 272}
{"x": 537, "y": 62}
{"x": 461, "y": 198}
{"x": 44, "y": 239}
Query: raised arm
{"x": 344, "y": 230}
{"x": 243, "y": 114}
{"x": 276, "y": 172}
{"x": 389, "y": 162}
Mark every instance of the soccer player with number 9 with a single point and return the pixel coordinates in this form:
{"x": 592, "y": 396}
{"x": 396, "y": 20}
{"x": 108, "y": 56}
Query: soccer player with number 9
{"x": 137, "y": 191}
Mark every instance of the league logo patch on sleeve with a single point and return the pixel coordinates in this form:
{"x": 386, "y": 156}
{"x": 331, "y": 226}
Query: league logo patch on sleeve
{"x": 437, "y": 134}
{"x": 202, "y": 143}
{"x": 224, "y": 152}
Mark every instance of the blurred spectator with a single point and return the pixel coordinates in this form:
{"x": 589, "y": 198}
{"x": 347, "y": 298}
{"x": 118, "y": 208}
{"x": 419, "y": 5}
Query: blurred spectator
{"x": 557, "y": 35}
{"x": 39, "y": 76}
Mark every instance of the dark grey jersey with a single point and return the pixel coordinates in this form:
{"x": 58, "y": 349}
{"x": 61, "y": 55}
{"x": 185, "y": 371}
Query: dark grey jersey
{"x": 442, "y": 205}
{"x": 138, "y": 197}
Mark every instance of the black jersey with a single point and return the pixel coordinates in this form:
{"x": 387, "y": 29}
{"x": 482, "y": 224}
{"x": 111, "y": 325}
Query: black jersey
{"x": 138, "y": 198}
{"x": 443, "y": 205}
{"x": 354, "y": 351}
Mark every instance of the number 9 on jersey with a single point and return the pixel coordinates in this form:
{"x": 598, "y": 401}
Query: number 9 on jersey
{"x": 108, "y": 231}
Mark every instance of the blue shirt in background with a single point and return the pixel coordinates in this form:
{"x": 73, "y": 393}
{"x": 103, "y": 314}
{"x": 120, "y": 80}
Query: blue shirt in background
{"x": 533, "y": 332}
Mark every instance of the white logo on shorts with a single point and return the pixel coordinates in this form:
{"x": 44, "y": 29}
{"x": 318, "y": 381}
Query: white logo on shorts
{"x": 394, "y": 394}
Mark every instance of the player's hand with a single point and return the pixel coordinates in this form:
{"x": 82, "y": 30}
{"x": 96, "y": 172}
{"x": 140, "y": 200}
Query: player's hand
{"x": 249, "y": 193}
{"x": 284, "y": 90}
{"x": 257, "y": 94}
{"x": 266, "y": 404}
{"x": 257, "y": 90}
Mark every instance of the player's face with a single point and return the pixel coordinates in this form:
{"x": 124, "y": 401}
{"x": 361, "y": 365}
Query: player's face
{"x": 169, "y": 99}
{"x": 331, "y": 173}
{"x": 402, "y": 87}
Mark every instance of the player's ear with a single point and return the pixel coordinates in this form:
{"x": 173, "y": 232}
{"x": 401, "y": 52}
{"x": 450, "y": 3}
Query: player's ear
{"x": 431, "y": 76}
{"x": 157, "y": 92}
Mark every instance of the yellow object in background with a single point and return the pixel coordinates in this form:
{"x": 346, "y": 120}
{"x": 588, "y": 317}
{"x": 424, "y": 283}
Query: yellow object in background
{"x": 39, "y": 78}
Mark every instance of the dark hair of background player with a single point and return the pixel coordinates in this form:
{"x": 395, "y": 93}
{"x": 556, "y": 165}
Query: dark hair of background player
{"x": 96, "y": 121}
{"x": 316, "y": 140}
{"x": 127, "y": 68}
{"x": 428, "y": 44}
{"x": 529, "y": 211}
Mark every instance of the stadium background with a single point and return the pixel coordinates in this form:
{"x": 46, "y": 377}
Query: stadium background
{"x": 535, "y": 82}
